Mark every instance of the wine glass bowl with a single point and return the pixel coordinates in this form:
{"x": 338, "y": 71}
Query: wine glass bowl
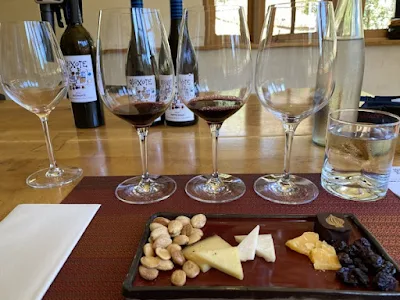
{"x": 136, "y": 83}
{"x": 214, "y": 74}
{"x": 35, "y": 77}
{"x": 294, "y": 82}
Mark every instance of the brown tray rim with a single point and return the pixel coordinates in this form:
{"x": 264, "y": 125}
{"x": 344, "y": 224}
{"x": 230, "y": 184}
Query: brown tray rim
{"x": 234, "y": 292}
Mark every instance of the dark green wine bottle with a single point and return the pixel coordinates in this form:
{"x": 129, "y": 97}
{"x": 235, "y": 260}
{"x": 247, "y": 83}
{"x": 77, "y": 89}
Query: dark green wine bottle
{"x": 79, "y": 52}
{"x": 141, "y": 68}
{"x": 178, "y": 114}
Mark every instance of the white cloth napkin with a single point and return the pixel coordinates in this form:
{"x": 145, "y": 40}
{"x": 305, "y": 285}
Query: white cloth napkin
{"x": 394, "y": 181}
{"x": 35, "y": 241}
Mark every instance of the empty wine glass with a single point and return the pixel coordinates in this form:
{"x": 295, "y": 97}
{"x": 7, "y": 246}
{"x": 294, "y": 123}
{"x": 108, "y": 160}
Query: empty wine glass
{"x": 136, "y": 83}
{"x": 214, "y": 74}
{"x": 34, "y": 75}
{"x": 294, "y": 82}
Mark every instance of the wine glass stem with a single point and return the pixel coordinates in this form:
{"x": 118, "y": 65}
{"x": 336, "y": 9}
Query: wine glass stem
{"x": 49, "y": 146}
{"x": 289, "y": 128}
{"x": 214, "y": 134}
{"x": 142, "y": 133}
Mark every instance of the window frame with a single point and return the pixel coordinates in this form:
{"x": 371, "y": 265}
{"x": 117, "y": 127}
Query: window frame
{"x": 256, "y": 15}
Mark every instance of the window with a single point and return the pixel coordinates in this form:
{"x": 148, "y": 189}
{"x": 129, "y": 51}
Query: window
{"x": 377, "y": 13}
{"x": 377, "y": 16}
{"x": 223, "y": 18}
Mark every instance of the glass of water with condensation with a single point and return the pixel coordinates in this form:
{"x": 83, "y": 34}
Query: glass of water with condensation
{"x": 360, "y": 147}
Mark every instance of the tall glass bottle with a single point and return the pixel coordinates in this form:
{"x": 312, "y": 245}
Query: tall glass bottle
{"x": 349, "y": 70}
{"x": 79, "y": 51}
{"x": 140, "y": 69}
{"x": 178, "y": 114}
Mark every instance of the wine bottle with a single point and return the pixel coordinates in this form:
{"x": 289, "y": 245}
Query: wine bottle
{"x": 178, "y": 114}
{"x": 141, "y": 68}
{"x": 79, "y": 52}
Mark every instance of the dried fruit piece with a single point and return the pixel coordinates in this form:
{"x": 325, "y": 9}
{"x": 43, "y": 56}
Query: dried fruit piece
{"x": 384, "y": 282}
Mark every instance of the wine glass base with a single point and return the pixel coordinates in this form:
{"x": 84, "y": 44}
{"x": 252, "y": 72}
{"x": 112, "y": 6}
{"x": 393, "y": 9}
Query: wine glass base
{"x": 232, "y": 189}
{"x": 296, "y": 190}
{"x": 133, "y": 191}
{"x": 50, "y": 178}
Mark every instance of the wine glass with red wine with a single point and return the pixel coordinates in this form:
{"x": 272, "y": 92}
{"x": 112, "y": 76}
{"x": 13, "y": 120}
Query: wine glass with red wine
{"x": 294, "y": 82}
{"x": 136, "y": 82}
{"x": 34, "y": 75}
{"x": 214, "y": 74}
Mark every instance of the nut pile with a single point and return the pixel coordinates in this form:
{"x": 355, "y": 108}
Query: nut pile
{"x": 163, "y": 252}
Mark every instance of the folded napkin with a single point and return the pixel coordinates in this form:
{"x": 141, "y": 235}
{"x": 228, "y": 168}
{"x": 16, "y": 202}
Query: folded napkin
{"x": 394, "y": 181}
{"x": 35, "y": 241}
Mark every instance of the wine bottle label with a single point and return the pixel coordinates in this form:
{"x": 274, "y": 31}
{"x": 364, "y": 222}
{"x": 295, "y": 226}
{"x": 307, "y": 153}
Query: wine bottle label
{"x": 178, "y": 112}
{"x": 142, "y": 88}
{"x": 82, "y": 84}
{"x": 166, "y": 86}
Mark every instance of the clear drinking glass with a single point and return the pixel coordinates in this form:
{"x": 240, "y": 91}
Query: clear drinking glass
{"x": 34, "y": 75}
{"x": 359, "y": 152}
{"x": 136, "y": 83}
{"x": 294, "y": 82}
{"x": 214, "y": 74}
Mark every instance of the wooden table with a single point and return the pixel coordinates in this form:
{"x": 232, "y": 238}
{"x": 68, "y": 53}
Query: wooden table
{"x": 251, "y": 141}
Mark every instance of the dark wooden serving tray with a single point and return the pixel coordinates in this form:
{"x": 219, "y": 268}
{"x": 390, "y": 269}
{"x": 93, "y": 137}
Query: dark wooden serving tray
{"x": 292, "y": 275}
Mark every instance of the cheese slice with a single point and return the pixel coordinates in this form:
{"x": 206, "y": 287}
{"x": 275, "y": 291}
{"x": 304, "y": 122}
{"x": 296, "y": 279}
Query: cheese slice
{"x": 303, "y": 244}
{"x": 324, "y": 257}
{"x": 247, "y": 247}
{"x": 212, "y": 243}
{"x": 265, "y": 246}
{"x": 225, "y": 260}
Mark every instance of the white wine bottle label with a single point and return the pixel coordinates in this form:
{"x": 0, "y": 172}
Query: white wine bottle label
{"x": 178, "y": 112}
{"x": 142, "y": 88}
{"x": 82, "y": 84}
{"x": 166, "y": 87}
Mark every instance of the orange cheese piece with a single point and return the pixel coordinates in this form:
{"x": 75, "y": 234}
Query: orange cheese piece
{"x": 324, "y": 257}
{"x": 304, "y": 243}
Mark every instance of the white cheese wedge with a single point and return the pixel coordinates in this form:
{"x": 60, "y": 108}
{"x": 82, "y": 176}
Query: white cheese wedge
{"x": 225, "y": 260}
{"x": 265, "y": 246}
{"x": 212, "y": 243}
{"x": 247, "y": 247}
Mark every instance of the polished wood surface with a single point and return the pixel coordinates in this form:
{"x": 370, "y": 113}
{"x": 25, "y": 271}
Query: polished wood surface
{"x": 251, "y": 141}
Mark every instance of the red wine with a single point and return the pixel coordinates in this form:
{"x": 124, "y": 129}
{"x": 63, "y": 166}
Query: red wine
{"x": 79, "y": 51}
{"x": 141, "y": 66}
{"x": 140, "y": 114}
{"x": 215, "y": 109}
